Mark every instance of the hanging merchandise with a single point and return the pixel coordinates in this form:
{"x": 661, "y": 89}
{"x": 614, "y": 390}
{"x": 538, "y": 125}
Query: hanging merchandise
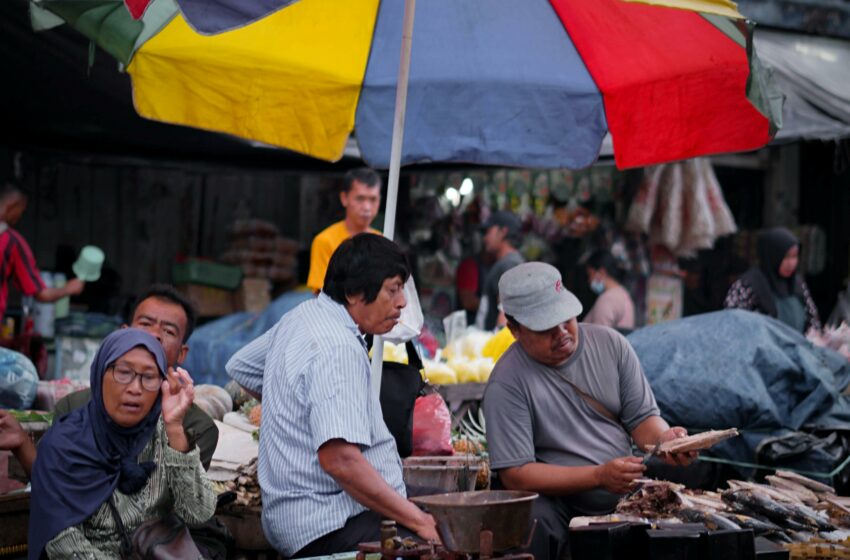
{"x": 681, "y": 207}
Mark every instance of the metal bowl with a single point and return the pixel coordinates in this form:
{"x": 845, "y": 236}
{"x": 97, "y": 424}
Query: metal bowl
{"x": 455, "y": 473}
{"x": 462, "y": 516}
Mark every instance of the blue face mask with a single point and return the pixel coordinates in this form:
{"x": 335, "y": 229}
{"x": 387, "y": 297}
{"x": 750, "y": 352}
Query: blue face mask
{"x": 597, "y": 286}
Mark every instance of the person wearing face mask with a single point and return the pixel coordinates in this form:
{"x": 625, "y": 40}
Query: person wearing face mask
{"x": 563, "y": 405}
{"x": 775, "y": 287}
{"x": 614, "y": 307}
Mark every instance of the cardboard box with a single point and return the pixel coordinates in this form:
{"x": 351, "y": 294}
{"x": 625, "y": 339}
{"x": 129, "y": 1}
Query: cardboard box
{"x": 209, "y": 301}
{"x": 254, "y": 295}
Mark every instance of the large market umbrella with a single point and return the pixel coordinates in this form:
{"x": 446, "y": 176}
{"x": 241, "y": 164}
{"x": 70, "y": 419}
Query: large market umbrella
{"x": 510, "y": 82}
{"x": 507, "y": 82}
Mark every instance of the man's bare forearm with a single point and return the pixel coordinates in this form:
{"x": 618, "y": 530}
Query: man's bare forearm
{"x": 346, "y": 464}
{"x": 550, "y": 479}
{"x": 25, "y": 454}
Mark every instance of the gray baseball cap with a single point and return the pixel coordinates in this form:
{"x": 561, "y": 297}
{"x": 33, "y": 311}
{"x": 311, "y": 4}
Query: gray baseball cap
{"x": 534, "y": 294}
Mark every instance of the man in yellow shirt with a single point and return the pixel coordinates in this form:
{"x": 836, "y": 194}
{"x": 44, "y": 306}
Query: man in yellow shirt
{"x": 361, "y": 198}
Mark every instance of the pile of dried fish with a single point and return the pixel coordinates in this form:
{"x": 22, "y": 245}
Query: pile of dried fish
{"x": 246, "y": 485}
{"x": 790, "y": 508}
{"x": 696, "y": 442}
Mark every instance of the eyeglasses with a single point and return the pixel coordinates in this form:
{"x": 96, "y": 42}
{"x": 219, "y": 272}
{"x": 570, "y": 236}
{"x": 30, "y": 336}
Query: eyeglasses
{"x": 125, "y": 376}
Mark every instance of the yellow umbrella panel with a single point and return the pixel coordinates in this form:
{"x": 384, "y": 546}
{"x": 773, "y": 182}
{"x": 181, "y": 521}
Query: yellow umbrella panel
{"x": 292, "y": 79}
{"x": 724, "y": 8}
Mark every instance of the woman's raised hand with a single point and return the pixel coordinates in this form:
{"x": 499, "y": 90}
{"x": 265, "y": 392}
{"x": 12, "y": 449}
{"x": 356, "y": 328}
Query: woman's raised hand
{"x": 178, "y": 393}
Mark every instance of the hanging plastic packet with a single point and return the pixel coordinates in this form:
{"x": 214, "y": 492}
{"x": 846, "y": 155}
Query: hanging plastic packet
{"x": 410, "y": 324}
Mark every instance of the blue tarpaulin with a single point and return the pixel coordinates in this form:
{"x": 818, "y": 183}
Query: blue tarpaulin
{"x": 745, "y": 370}
{"x": 211, "y": 345}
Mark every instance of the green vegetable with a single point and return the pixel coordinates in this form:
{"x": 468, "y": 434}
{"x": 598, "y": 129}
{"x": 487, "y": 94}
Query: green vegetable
{"x": 248, "y": 405}
{"x": 26, "y": 416}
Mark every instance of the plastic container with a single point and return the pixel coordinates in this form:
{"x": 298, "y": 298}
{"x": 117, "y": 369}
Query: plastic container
{"x": 44, "y": 313}
{"x": 88, "y": 265}
{"x": 62, "y": 305}
{"x": 207, "y": 273}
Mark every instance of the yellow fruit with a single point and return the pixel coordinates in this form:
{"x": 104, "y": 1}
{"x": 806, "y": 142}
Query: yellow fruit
{"x": 395, "y": 353}
{"x": 466, "y": 371}
{"x": 484, "y": 367}
{"x": 439, "y": 374}
{"x": 498, "y": 343}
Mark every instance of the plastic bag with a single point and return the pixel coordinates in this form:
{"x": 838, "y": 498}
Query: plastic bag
{"x": 410, "y": 324}
{"x": 432, "y": 426}
{"x": 18, "y": 380}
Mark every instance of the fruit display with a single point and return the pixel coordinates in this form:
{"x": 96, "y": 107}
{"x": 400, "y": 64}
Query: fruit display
{"x": 461, "y": 361}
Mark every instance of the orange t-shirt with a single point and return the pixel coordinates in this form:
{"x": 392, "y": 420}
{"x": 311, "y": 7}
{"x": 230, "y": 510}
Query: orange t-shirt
{"x": 324, "y": 245}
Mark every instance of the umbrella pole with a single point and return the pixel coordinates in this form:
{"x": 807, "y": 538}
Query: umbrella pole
{"x": 395, "y": 164}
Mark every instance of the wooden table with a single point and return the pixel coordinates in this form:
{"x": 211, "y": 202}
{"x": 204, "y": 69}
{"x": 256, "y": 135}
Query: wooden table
{"x": 14, "y": 520}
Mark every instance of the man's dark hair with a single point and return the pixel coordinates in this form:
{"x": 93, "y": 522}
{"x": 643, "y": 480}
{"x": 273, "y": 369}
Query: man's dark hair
{"x": 363, "y": 175}
{"x": 512, "y": 321}
{"x": 602, "y": 259}
{"x": 170, "y": 294}
{"x": 360, "y": 265}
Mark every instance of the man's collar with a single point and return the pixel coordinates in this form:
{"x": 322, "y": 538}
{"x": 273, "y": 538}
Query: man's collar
{"x": 340, "y": 311}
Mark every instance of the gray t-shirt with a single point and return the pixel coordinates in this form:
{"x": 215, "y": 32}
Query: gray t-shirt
{"x": 534, "y": 415}
{"x": 491, "y": 286}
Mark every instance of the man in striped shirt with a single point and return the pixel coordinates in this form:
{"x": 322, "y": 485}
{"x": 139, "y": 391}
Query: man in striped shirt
{"x": 16, "y": 261}
{"x": 328, "y": 467}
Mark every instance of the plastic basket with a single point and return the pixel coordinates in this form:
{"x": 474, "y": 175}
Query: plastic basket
{"x": 207, "y": 273}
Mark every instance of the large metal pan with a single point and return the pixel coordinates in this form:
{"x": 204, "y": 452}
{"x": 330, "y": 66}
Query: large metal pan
{"x": 462, "y": 516}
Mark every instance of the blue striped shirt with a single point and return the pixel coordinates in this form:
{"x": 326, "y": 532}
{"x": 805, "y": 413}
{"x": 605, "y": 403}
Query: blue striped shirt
{"x": 247, "y": 365}
{"x": 317, "y": 387}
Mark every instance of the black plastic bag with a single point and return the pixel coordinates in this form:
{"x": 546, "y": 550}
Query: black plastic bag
{"x": 401, "y": 384}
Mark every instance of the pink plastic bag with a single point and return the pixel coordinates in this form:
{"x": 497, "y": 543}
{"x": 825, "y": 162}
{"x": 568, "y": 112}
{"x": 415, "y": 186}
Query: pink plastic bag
{"x": 432, "y": 426}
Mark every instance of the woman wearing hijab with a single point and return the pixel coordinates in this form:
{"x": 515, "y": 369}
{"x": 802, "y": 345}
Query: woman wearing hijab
{"x": 614, "y": 306}
{"x": 127, "y": 445}
{"x": 775, "y": 287}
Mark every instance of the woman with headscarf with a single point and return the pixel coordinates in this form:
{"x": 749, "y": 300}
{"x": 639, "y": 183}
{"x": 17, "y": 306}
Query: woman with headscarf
{"x": 775, "y": 287}
{"x": 127, "y": 446}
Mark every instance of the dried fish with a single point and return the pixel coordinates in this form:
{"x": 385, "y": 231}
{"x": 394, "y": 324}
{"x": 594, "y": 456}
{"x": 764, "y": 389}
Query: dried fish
{"x": 696, "y": 442}
{"x": 763, "y": 489}
{"x": 703, "y": 501}
{"x": 796, "y": 490}
{"x": 797, "y": 517}
{"x": 806, "y": 481}
{"x": 759, "y": 526}
{"x": 652, "y": 498}
{"x": 762, "y": 506}
{"x": 710, "y": 519}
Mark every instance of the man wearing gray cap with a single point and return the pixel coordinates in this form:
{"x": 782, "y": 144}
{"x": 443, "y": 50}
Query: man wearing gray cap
{"x": 501, "y": 239}
{"x": 563, "y": 405}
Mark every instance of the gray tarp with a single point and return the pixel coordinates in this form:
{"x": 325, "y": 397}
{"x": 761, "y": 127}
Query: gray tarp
{"x": 740, "y": 369}
{"x": 814, "y": 75}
